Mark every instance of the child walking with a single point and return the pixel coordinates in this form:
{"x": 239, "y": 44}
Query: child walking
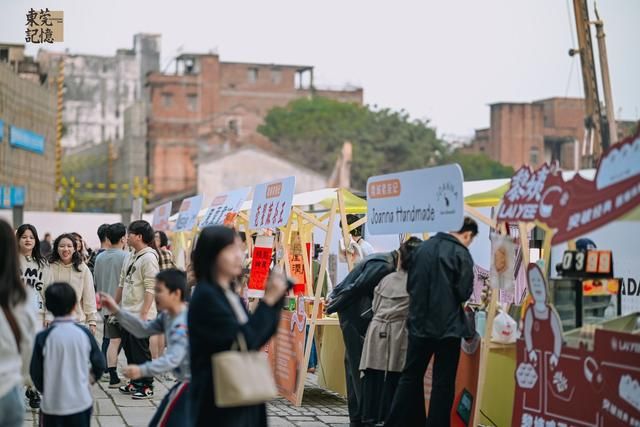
{"x": 59, "y": 363}
{"x": 170, "y": 296}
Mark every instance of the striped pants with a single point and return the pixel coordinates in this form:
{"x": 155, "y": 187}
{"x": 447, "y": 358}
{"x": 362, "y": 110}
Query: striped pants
{"x": 174, "y": 408}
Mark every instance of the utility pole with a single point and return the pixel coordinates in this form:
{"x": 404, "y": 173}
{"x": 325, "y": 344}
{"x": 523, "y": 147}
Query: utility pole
{"x": 604, "y": 74}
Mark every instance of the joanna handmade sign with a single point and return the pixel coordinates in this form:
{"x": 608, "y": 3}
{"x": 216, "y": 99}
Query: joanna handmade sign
{"x": 161, "y": 216}
{"x": 575, "y": 207}
{"x": 565, "y": 386}
{"x": 416, "y": 201}
{"x": 188, "y": 213}
{"x": 272, "y": 203}
{"x": 224, "y": 206}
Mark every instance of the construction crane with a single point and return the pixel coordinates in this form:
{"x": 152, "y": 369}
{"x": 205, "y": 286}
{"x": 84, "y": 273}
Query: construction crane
{"x": 600, "y": 126}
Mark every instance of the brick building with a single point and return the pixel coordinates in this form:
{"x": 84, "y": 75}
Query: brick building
{"x": 207, "y": 102}
{"x": 537, "y": 132}
{"x": 27, "y": 129}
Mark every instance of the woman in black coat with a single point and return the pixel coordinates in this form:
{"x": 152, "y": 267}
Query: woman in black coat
{"x": 217, "y": 315}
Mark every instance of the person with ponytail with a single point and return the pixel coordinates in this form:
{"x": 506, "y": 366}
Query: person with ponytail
{"x": 67, "y": 266}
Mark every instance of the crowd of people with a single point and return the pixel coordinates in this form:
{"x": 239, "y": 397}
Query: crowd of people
{"x": 397, "y": 311}
{"x": 50, "y": 294}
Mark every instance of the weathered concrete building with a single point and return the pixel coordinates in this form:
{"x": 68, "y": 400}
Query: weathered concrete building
{"x": 537, "y": 132}
{"x": 230, "y": 168}
{"x": 207, "y": 102}
{"x": 27, "y": 129}
{"x": 98, "y": 89}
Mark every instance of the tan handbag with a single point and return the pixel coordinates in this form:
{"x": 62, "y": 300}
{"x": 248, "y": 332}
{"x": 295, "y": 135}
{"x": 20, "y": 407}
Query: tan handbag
{"x": 242, "y": 377}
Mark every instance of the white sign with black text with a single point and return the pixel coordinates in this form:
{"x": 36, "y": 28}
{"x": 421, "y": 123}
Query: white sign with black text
{"x": 424, "y": 200}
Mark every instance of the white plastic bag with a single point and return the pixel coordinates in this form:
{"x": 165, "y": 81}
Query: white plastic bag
{"x": 505, "y": 329}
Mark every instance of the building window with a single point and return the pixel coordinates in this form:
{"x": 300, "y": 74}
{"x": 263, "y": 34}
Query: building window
{"x": 233, "y": 126}
{"x": 252, "y": 75}
{"x": 192, "y": 102}
{"x": 276, "y": 76}
{"x": 167, "y": 100}
{"x": 533, "y": 156}
{"x": 4, "y": 55}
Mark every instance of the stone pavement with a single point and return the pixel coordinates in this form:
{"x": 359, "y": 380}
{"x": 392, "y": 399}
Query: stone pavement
{"x": 113, "y": 409}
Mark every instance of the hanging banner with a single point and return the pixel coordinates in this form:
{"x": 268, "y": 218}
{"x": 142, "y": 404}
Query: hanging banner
{"x": 188, "y": 213}
{"x": 260, "y": 265}
{"x": 161, "y": 216}
{"x": 578, "y": 206}
{"x": 296, "y": 264}
{"x": 561, "y": 385}
{"x": 272, "y": 203}
{"x": 424, "y": 200}
{"x": 224, "y": 207}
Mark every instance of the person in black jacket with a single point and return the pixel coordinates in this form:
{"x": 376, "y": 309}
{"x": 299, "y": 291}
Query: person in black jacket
{"x": 217, "y": 316}
{"x": 352, "y": 299}
{"x": 440, "y": 281}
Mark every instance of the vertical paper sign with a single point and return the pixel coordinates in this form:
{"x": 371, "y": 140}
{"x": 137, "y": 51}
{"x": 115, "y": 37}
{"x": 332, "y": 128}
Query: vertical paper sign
{"x": 161, "y": 217}
{"x": 296, "y": 264}
{"x": 188, "y": 213}
{"x": 416, "y": 201}
{"x": 260, "y": 265}
{"x": 272, "y": 203}
{"x": 224, "y": 207}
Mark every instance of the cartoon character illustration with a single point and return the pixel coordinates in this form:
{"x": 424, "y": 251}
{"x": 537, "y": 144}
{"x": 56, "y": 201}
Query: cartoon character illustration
{"x": 542, "y": 326}
{"x": 299, "y": 319}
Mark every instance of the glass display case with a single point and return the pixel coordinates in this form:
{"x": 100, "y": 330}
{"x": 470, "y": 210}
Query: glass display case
{"x": 581, "y": 301}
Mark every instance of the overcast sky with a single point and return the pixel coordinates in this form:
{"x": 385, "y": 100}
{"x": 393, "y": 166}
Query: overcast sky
{"x": 444, "y": 60}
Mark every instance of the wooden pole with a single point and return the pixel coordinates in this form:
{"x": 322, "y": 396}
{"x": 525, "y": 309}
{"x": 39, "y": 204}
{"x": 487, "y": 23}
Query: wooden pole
{"x": 308, "y": 268}
{"x": 314, "y": 315}
{"x": 346, "y": 236}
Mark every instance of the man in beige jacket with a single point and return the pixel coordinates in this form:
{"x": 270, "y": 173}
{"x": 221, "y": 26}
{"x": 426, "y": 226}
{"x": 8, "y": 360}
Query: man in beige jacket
{"x": 135, "y": 294}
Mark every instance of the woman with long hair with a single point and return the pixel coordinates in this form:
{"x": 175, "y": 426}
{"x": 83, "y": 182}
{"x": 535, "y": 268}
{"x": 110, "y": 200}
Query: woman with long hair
{"x": 67, "y": 266}
{"x": 34, "y": 268}
{"x": 216, "y": 318}
{"x": 36, "y": 275}
{"x": 17, "y": 329}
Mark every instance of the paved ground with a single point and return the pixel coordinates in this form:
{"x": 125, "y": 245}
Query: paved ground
{"x": 113, "y": 409}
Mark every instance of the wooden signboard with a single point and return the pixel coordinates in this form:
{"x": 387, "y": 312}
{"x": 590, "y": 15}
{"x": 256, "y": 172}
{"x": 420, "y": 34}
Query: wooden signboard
{"x": 564, "y": 386}
{"x": 286, "y": 352}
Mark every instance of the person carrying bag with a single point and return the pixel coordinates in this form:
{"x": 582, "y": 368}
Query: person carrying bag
{"x": 229, "y": 387}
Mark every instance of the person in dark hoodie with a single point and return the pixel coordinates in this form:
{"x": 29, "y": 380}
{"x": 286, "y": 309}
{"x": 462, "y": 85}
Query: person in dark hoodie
{"x": 440, "y": 281}
{"x": 352, "y": 299}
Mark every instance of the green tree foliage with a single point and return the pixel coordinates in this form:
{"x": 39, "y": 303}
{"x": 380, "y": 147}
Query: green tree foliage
{"x": 479, "y": 166}
{"x": 312, "y": 131}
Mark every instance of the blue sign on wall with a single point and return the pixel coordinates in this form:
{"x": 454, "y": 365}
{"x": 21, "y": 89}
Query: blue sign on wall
{"x": 1, "y": 130}
{"x": 25, "y": 139}
{"x": 12, "y": 196}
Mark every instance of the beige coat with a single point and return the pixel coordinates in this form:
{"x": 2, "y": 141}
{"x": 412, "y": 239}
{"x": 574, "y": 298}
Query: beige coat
{"x": 385, "y": 345}
{"x": 81, "y": 282}
{"x": 138, "y": 277}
